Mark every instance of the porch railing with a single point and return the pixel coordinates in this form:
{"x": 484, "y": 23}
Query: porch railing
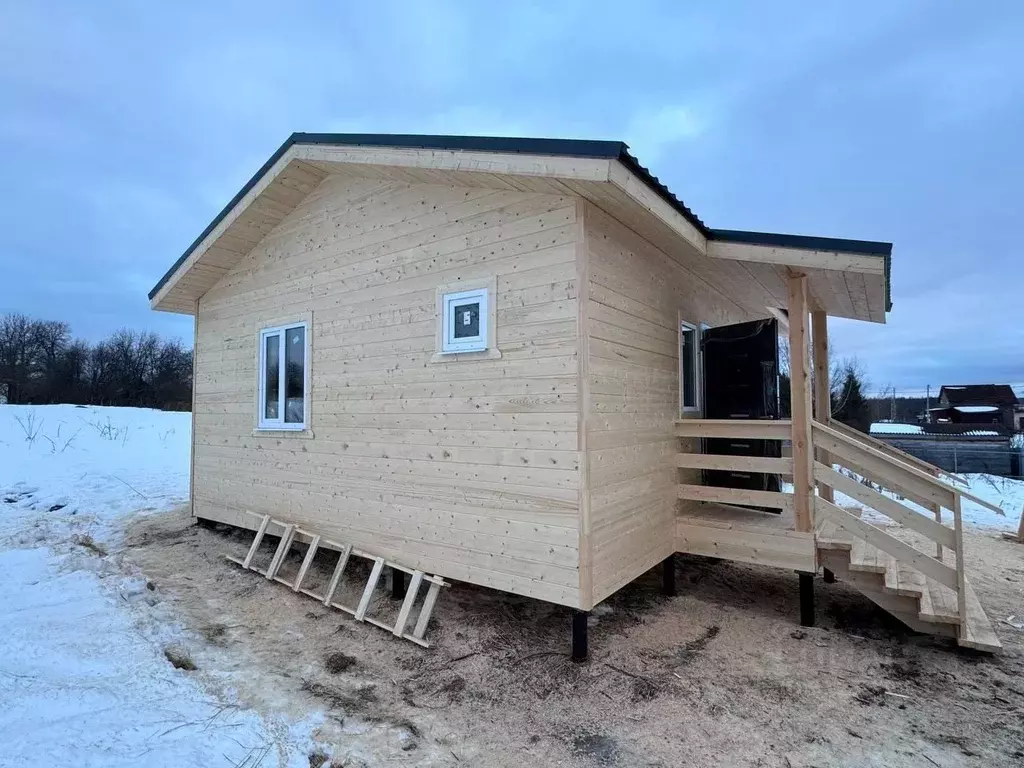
{"x": 735, "y": 429}
{"x": 906, "y": 479}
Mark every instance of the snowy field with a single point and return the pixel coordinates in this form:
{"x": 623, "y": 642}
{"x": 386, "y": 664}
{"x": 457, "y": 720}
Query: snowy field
{"x": 84, "y": 679}
{"x": 83, "y": 676}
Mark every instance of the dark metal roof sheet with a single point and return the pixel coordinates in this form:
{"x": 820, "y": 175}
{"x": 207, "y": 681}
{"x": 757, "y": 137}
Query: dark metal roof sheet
{"x": 616, "y": 150}
{"x": 866, "y": 247}
{"x": 978, "y": 394}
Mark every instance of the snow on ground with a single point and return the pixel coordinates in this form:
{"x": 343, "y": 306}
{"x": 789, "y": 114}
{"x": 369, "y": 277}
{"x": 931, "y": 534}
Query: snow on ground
{"x": 83, "y": 675}
{"x": 64, "y": 467}
{"x": 1001, "y": 491}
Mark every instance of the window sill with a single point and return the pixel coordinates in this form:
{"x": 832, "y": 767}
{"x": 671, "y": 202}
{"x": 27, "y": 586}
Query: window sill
{"x": 294, "y": 434}
{"x": 453, "y": 357}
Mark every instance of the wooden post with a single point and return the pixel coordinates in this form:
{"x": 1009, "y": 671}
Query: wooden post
{"x": 668, "y": 575}
{"x": 822, "y": 389}
{"x": 579, "y": 634}
{"x": 800, "y": 404}
{"x": 806, "y": 599}
{"x": 961, "y": 578}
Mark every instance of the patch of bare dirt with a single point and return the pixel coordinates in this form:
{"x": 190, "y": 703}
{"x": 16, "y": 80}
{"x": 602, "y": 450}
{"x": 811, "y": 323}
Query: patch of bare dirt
{"x": 720, "y": 675}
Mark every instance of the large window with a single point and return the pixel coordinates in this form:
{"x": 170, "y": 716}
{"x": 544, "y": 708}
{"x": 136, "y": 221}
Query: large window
{"x": 284, "y": 373}
{"x": 464, "y": 321}
{"x": 689, "y": 367}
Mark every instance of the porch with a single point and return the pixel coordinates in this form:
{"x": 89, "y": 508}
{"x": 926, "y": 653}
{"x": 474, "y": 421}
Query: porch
{"x": 916, "y": 572}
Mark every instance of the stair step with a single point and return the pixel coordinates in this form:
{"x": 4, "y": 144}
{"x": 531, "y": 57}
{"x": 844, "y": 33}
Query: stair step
{"x": 938, "y": 604}
{"x": 866, "y": 558}
{"x": 979, "y": 634}
{"x": 831, "y": 536}
{"x": 903, "y": 580}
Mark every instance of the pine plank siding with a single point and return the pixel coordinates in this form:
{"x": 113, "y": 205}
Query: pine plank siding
{"x": 465, "y": 468}
{"x": 634, "y": 297}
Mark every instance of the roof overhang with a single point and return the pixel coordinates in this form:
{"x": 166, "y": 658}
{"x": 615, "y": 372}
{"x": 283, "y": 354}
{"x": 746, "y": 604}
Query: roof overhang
{"x": 847, "y": 278}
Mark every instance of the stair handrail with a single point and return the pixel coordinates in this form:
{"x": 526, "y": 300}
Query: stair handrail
{"x": 892, "y": 450}
{"x": 951, "y": 493}
{"x": 920, "y": 474}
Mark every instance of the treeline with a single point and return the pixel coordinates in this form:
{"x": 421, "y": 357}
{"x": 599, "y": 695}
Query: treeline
{"x": 40, "y": 363}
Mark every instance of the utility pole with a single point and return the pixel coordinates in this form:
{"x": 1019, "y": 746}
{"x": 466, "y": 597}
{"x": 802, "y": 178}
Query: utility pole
{"x": 928, "y": 405}
{"x": 892, "y": 405}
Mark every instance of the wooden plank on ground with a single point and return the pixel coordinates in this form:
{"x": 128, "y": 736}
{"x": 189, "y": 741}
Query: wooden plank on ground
{"x": 336, "y": 576}
{"x": 371, "y": 585}
{"x": 410, "y": 598}
{"x": 282, "y": 551}
{"x": 256, "y": 542}
{"x": 426, "y": 610}
{"x": 307, "y": 561}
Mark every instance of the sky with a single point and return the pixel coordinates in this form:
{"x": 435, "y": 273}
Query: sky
{"x": 125, "y": 127}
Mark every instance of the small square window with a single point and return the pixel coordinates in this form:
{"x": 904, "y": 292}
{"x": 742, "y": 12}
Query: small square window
{"x": 464, "y": 321}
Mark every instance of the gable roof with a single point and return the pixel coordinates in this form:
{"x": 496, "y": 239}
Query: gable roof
{"x": 978, "y": 394}
{"x": 306, "y": 175}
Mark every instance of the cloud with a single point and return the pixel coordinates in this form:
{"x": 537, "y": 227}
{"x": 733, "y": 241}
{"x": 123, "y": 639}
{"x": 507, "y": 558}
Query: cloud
{"x": 652, "y": 131}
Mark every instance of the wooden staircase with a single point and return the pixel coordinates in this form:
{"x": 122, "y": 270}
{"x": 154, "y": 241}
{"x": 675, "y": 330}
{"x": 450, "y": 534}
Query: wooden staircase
{"x": 915, "y": 569}
{"x": 920, "y": 602}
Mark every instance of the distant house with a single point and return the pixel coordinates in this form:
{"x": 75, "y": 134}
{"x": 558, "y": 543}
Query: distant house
{"x": 976, "y": 404}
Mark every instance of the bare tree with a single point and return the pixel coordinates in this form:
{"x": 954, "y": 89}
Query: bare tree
{"x": 39, "y": 363}
{"x": 18, "y": 341}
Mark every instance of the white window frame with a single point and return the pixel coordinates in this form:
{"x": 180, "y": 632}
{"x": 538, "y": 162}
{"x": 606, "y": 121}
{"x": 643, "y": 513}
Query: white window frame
{"x": 695, "y": 361}
{"x": 450, "y": 345}
{"x": 279, "y": 424}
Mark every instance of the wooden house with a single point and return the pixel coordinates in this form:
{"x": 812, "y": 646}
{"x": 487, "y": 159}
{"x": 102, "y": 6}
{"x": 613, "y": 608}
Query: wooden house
{"x": 976, "y": 404}
{"x": 525, "y": 364}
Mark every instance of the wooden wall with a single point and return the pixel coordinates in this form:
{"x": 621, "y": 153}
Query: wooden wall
{"x": 468, "y": 468}
{"x": 634, "y": 297}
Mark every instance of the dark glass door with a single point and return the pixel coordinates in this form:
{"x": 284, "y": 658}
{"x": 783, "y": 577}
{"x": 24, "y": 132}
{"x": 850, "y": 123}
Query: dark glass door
{"x": 741, "y": 381}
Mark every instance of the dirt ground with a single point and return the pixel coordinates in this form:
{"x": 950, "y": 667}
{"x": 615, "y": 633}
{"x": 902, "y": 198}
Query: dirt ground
{"x": 722, "y": 674}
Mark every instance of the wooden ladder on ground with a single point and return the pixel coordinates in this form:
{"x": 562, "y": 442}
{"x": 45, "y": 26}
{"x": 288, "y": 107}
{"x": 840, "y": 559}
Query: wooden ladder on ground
{"x": 290, "y": 533}
{"x": 923, "y": 589}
